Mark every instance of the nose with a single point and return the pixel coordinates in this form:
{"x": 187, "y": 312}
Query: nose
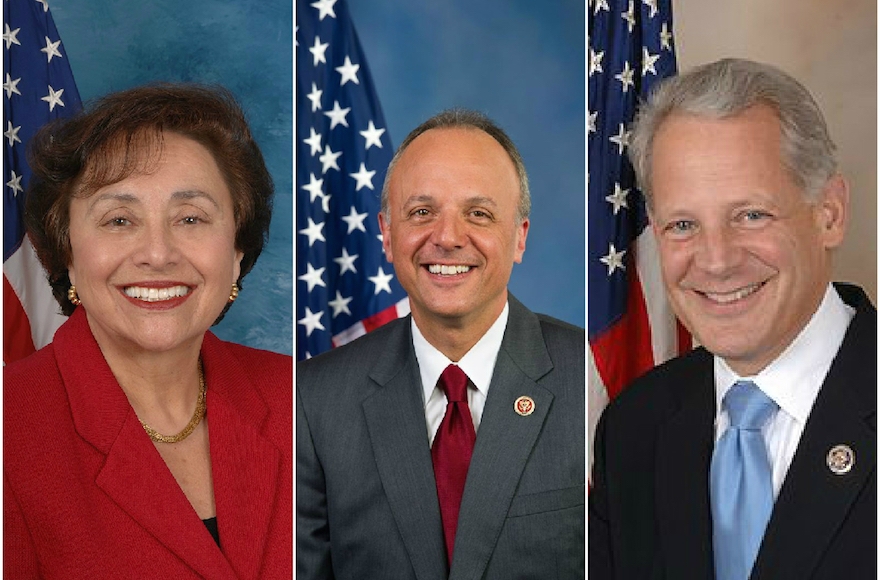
{"x": 718, "y": 251}
{"x": 449, "y": 231}
{"x": 158, "y": 246}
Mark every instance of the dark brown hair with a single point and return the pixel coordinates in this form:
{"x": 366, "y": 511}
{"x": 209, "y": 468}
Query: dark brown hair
{"x": 117, "y": 136}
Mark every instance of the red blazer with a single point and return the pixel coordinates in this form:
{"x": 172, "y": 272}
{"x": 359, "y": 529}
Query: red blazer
{"x": 86, "y": 494}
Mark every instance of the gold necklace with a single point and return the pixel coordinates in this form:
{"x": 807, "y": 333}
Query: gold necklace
{"x": 197, "y": 417}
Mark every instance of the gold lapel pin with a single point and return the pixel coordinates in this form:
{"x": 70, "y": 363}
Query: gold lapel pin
{"x": 524, "y": 406}
{"x": 841, "y": 459}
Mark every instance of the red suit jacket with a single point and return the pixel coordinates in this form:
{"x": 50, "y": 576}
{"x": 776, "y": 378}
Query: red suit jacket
{"x": 86, "y": 494}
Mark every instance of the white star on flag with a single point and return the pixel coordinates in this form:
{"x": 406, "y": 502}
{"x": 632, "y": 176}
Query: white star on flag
{"x": 346, "y": 262}
{"x": 340, "y": 305}
{"x": 53, "y": 98}
{"x": 315, "y": 97}
{"x": 613, "y": 260}
{"x": 318, "y": 51}
{"x": 328, "y": 159}
{"x": 313, "y": 277}
{"x": 665, "y": 37}
{"x": 325, "y": 202}
{"x": 373, "y": 135}
{"x": 363, "y": 177}
{"x": 314, "y": 187}
{"x": 11, "y": 86}
{"x": 618, "y": 198}
{"x": 337, "y": 115}
{"x": 621, "y": 139}
{"x": 12, "y": 134}
{"x": 595, "y": 62}
{"x": 381, "y": 280}
{"x": 314, "y": 141}
{"x": 311, "y": 321}
{"x": 626, "y": 77}
{"x": 652, "y": 4}
{"x": 15, "y": 184}
{"x": 313, "y": 232}
{"x": 11, "y": 37}
{"x": 591, "y": 121}
{"x": 51, "y": 49}
{"x": 45, "y": 5}
{"x": 648, "y": 61}
{"x": 630, "y": 16}
{"x": 355, "y": 221}
{"x": 325, "y": 8}
{"x": 348, "y": 72}
{"x": 600, "y": 5}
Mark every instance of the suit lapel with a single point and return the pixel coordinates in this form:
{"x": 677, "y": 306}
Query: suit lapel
{"x": 134, "y": 475}
{"x": 504, "y": 442}
{"x": 395, "y": 417}
{"x": 814, "y": 502}
{"x": 245, "y": 464}
{"x": 138, "y": 481}
{"x": 684, "y": 450}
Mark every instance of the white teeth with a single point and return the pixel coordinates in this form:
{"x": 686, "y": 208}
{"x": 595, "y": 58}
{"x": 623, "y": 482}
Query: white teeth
{"x": 155, "y": 294}
{"x": 447, "y": 270}
{"x": 732, "y": 296}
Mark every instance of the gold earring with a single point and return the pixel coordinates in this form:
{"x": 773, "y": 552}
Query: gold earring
{"x": 71, "y": 295}
{"x": 233, "y": 294}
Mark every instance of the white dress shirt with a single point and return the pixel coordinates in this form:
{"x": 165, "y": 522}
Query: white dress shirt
{"x": 792, "y": 380}
{"x": 478, "y": 364}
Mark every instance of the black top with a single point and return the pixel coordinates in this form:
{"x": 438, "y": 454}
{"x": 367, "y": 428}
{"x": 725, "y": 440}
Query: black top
{"x": 211, "y": 524}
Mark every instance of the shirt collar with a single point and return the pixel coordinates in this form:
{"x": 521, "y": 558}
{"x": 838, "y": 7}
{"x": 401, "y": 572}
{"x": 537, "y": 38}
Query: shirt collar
{"x": 793, "y": 380}
{"x": 478, "y": 363}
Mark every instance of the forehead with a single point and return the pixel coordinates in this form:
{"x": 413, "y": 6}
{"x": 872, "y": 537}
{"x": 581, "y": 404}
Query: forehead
{"x": 756, "y": 125}
{"x": 459, "y": 156}
{"x": 734, "y": 152}
{"x": 142, "y": 154}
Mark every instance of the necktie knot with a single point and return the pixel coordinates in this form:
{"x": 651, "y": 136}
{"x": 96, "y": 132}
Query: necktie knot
{"x": 747, "y": 406}
{"x": 453, "y": 382}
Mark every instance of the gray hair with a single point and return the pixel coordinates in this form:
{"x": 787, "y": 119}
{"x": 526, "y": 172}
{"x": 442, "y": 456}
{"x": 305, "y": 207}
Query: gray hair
{"x": 466, "y": 119}
{"x": 727, "y": 88}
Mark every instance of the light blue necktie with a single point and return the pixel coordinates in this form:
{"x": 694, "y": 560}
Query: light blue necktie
{"x": 741, "y": 485}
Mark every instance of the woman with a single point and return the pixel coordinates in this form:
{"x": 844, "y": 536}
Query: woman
{"x": 137, "y": 435}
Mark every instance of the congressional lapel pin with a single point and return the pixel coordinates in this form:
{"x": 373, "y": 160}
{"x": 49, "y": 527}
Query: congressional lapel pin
{"x": 841, "y": 459}
{"x": 524, "y": 406}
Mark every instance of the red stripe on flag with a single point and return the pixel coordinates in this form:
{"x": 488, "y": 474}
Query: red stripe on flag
{"x": 17, "y": 340}
{"x": 624, "y": 352}
{"x": 373, "y": 322}
{"x": 685, "y": 342}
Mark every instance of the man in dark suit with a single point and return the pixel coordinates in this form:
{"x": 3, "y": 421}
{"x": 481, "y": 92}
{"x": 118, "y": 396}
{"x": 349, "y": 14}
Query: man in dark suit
{"x": 747, "y": 207}
{"x": 397, "y": 480}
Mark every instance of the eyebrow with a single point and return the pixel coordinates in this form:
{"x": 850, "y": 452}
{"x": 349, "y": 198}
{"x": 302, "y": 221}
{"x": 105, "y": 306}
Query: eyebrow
{"x": 473, "y": 200}
{"x": 185, "y": 194}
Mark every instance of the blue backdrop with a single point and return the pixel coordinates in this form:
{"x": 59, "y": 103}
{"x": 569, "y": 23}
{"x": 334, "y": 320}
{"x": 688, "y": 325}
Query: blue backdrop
{"x": 247, "y": 47}
{"x": 522, "y": 63}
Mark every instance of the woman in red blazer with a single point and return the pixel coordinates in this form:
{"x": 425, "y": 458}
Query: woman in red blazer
{"x": 137, "y": 444}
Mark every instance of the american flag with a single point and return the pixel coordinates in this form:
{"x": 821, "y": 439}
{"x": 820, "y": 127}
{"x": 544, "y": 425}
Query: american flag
{"x": 39, "y": 87}
{"x": 345, "y": 287}
{"x": 631, "y": 326}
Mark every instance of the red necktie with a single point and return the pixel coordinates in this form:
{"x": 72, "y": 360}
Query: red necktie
{"x": 452, "y": 450}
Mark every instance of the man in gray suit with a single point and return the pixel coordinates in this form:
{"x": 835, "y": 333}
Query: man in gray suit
{"x": 394, "y": 478}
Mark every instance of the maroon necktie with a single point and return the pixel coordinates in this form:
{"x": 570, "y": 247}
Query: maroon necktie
{"x": 452, "y": 450}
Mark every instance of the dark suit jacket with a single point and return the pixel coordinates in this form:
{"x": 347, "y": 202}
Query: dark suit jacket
{"x": 649, "y": 504}
{"x": 366, "y": 497}
{"x": 86, "y": 494}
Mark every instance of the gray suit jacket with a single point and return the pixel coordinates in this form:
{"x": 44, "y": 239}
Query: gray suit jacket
{"x": 366, "y": 501}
